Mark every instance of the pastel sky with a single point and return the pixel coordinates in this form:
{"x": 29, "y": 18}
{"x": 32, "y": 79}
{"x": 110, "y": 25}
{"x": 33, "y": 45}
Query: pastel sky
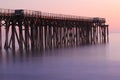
{"x": 109, "y": 9}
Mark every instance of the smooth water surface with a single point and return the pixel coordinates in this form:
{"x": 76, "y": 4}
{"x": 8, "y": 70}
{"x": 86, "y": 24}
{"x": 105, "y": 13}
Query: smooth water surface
{"x": 93, "y": 62}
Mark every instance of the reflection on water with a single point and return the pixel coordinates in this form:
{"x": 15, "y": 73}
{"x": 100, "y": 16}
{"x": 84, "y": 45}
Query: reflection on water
{"x": 95, "y": 62}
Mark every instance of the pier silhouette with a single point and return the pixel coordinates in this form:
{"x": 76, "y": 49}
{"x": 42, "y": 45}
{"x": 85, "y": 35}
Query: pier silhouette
{"x": 38, "y": 30}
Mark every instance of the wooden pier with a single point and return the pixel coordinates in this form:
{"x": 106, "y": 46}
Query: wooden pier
{"x": 38, "y": 30}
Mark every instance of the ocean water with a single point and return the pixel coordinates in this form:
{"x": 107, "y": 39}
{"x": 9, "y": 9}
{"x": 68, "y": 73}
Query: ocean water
{"x": 93, "y": 62}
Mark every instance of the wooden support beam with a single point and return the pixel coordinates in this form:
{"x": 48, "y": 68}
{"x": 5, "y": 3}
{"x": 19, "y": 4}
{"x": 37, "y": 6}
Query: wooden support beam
{"x": 26, "y": 36}
{"x": 38, "y": 41}
{"x": 56, "y": 36}
{"x": 45, "y": 37}
{"x": 36, "y": 36}
{"x": 10, "y": 41}
{"x": 67, "y": 39}
{"x": 94, "y": 34}
{"x": 88, "y": 34}
{"x": 63, "y": 36}
{"x": 91, "y": 33}
{"x": 0, "y": 37}
{"x": 13, "y": 35}
{"x": 50, "y": 37}
{"x": 97, "y": 25}
{"x": 107, "y": 34}
{"x": 32, "y": 37}
{"x": 77, "y": 35}
{"x": 6, "y": 46}
{"x": 20, "y": 35}
{"x": 41, "y": 37}
{"x": 100, "y": 34}
{"x": 17, "y": 37}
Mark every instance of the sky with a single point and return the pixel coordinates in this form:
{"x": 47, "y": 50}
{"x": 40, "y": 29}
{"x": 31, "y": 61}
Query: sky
{"x": 109, "y": 9}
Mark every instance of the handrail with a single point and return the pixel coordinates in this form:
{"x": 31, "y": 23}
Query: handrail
{"x": 32, "y": 13}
